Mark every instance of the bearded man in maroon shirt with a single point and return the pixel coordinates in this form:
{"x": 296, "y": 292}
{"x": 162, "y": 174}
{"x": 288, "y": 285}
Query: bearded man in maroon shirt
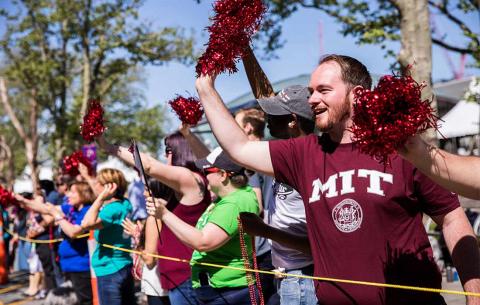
{"x": 364, "y": 221}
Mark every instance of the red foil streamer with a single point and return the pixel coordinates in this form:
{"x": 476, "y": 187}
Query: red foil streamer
{"x": 385, "y": 117}
{"x": 233, "y": 25}
{"x": 189, "y": 110}
{"x": 70, "y": 164}
{"x": 93, "y": 123}
{"x": 6, "y": 198}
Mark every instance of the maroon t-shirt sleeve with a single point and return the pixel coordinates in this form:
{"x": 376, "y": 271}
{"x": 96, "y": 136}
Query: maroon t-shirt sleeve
{"x": 284, "y": 161}
{"x": 435, "y": 200}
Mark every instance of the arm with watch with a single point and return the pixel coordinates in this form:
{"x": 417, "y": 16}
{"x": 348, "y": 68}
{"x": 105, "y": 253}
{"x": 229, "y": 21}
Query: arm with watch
{"x": 69, "y": 229}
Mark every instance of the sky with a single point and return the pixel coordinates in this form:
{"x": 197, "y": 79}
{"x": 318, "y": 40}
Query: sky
{"x": 299, "y": 55}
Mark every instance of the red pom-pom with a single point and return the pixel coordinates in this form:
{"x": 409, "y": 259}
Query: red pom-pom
{"x": 234, "y": 23}
{"x": 70, "y": 164}
{"x": 93, "y": 123}
{"x": 6, "y": 198}
{"x": 189, "y": 110}
{"x": 387, "y": 116}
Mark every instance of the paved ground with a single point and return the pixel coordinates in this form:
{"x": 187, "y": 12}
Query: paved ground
{"x": 10, "y": 294}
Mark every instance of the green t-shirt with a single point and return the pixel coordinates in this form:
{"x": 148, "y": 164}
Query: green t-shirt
{"x": 224, "y": 214}
{"x": 106, "y": 261}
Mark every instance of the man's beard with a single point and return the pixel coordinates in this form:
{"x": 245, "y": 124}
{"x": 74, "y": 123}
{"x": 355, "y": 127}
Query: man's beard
{"x": 336, "y": 115}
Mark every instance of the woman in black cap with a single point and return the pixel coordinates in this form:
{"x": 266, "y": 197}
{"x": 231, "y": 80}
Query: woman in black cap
{"x": 215, "y": 238}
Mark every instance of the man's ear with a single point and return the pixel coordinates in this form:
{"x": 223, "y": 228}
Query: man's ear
{"x": 248, "y": 129}
{"x": 351, "y": 94}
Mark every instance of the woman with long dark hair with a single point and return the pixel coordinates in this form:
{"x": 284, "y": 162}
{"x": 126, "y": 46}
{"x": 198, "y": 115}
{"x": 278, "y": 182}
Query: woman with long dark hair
{"x": 189, "y": 200}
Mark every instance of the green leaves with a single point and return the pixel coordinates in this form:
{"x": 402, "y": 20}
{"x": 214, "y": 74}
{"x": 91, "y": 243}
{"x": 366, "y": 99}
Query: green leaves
{"x": 70, "y": 51}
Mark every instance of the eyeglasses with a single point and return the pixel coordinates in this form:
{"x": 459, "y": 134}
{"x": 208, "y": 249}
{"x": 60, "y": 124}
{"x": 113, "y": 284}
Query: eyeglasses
{"x": 211, "y": 170}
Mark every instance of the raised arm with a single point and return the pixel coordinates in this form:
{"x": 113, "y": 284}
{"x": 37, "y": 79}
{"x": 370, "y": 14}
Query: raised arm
{"x": 463, "y": 247}
{"x": 91, "y": 221}
{"x": 459, "y": 174}
{"x": 200, "y": 150}
{"x": 181, "y": 179}
{"x": 254, "y": 155}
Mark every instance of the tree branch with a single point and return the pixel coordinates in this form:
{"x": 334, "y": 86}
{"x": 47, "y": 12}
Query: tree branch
{"x": 10, "y": 112}
{"x": 444, "y": 9}
{"x": 451, "y": 48}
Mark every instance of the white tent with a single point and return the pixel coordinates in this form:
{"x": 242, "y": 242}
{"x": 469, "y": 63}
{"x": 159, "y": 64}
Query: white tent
{"x": 461, "y": 120}
{"x": 113, "y": 162}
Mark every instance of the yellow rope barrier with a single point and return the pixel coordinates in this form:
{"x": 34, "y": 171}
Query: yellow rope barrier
{"x": 40, "y": 241}
{"x": 317, "y": 278}
{"x": 327, "y": 279}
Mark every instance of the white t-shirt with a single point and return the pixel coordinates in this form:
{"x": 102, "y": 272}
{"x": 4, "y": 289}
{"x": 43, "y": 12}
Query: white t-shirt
{"x": 150, "y": 283}
{"x": 287, "y": 212}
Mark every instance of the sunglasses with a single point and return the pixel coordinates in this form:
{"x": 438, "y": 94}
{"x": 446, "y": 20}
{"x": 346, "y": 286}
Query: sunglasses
{"x": 211, "y": 170}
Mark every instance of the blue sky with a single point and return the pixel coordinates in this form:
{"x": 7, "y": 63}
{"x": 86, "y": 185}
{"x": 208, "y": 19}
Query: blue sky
{"x": 299, "y": 55}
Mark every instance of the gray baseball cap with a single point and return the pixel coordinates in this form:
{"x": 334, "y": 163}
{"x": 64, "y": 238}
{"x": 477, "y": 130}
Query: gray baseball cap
{"x": 293, "y": 99}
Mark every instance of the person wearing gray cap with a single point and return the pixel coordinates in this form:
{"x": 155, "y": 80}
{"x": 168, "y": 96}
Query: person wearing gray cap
{"x": 288, "y": 116}
{"x": 215, "y": 238}
{"x": 364, "y": 219}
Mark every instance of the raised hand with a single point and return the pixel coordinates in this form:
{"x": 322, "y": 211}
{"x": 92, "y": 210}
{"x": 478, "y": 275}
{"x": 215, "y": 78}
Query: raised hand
{"x": 108, "y": 191}
{"x": 131, "y": 228}
{"x": 156, "y": 207}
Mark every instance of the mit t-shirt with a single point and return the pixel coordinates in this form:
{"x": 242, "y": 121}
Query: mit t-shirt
{"x": 364, "y": 220}
{"x": 224, "y": 214}
{"x": 105, "y": 260}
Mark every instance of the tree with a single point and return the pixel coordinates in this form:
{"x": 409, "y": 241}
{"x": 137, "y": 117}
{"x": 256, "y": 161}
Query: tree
{"x": 64, "y": 53}
{"x": 27, "y": 131}
{"x": 377, "y": 22}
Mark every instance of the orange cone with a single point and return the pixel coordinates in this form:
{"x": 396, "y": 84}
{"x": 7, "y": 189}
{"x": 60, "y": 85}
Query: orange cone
{"x": 92, "y": 244}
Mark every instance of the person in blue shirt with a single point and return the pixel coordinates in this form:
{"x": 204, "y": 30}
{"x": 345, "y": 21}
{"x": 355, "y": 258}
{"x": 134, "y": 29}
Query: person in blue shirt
{"x": 73, "y": 252}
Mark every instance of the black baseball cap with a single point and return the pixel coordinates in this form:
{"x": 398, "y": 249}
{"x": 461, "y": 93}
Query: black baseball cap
{"x": 219, "y": 159}
{"x": 293, "y": 99}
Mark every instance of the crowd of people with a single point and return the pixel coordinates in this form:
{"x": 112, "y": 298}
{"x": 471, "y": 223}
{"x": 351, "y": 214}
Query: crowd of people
{"x": 311, "y": 203}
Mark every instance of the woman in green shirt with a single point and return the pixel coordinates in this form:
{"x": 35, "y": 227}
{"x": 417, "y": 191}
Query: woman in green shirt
{"x": 215, "y": 238}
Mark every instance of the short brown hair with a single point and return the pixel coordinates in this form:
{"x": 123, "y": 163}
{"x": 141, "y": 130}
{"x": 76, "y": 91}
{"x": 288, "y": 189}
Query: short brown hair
{"x": 239, "y": 180}
{"x": 86, "y": 193}
{"x": 111, "y": 175}
{"x": 354, "y": 73}
{"x": 256, "y": 118}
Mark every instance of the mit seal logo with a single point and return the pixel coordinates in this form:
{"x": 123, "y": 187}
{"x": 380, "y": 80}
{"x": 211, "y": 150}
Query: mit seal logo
{"x": 347, "y": 215}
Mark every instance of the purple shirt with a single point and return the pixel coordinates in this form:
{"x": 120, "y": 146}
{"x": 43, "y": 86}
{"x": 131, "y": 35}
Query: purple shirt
{"x": 364, "y": 220}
